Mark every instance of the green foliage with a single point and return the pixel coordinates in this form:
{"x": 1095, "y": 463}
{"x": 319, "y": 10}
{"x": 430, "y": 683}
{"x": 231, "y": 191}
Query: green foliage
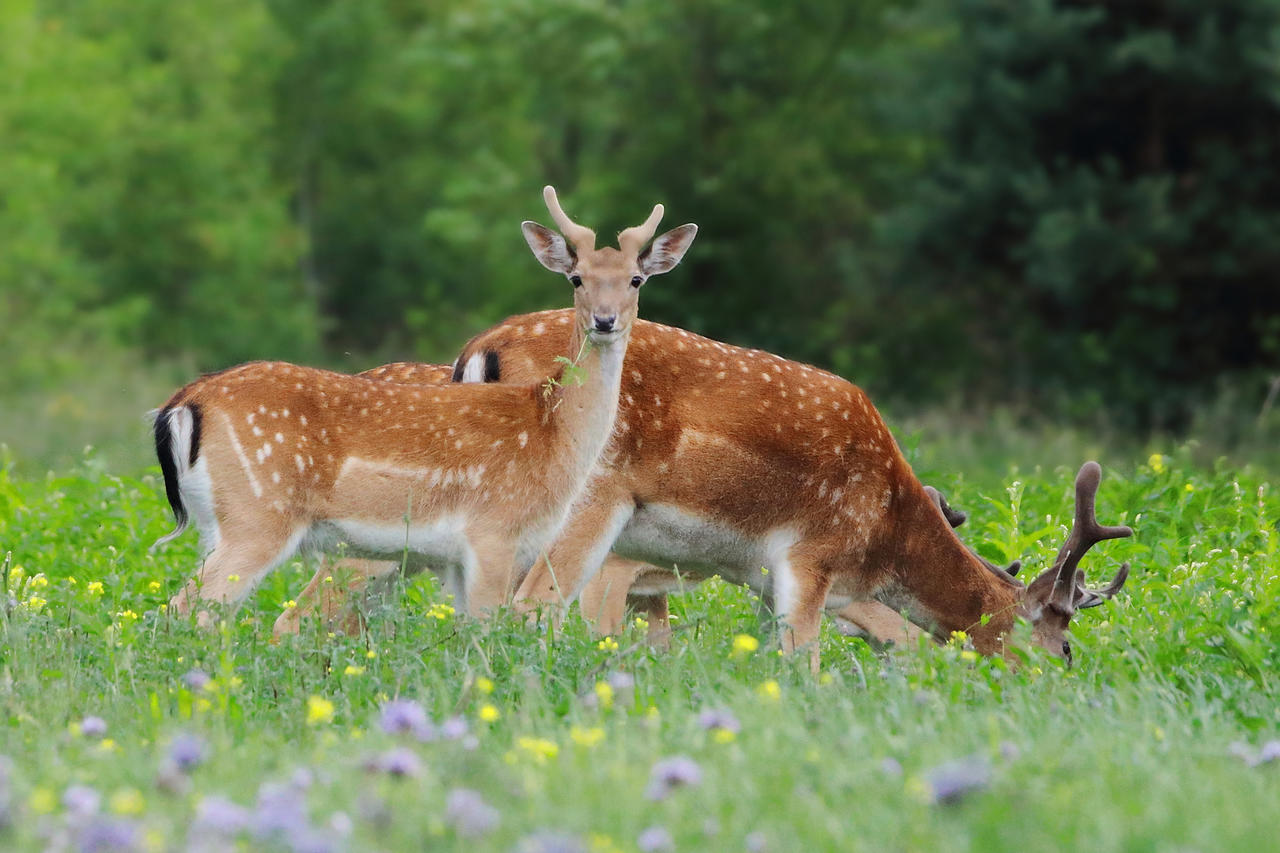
{"x": 1168, "y": 676}
{"x": 1098, "y": 216}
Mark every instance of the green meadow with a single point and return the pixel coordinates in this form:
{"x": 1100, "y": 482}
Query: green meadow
{"x": 123, "y": 728}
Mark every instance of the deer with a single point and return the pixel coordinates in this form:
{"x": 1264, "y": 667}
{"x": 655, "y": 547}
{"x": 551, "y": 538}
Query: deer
{"x": 778, "y": 475}
{"x": 269, "y": 458}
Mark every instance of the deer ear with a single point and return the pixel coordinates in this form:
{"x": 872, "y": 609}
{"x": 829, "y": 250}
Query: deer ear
{"x": 666, "y": 250}
{"x": 548, "y": 247}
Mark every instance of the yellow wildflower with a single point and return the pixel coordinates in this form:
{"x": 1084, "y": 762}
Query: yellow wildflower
{"x": 233, "y": 578}
{"x": 154, "y": 586}
{"x": 128, "y": 801}
{"x": 38, "y": 581}
{"x": 441, "y": 611}
{"x": 826, "y": 679}
{"x": 94, "y": 587}
{"x": 642, "y": 623}
{"x": 107, "y": 745}
{"x": 604, "y": 692}
{"x": 371, "y": 654}
{"x": 608, "y": 644}
{"x": 598, "y": 842}
{"x": 352, "y": 669}
{"x": 540, "y": 748}
{"x": 745, "y": 644}
{"x": 484, "y": 685}
{"x": 723, "y": 735}
{"x": 586, "y": 737}
{"x": 488, "y": 713}
{"x": 290, "y": 604}
{"x": 770, "y": 690}
{"x": 34, "y": 603}
{"x": 327, "y": 579}
{"x": 959, "y": 637}
{"x": 127, "y": 616}
{"x": 1157, "y": 463}
{"x": 1189, "y": 488}
{"x": 42, "y": 801}
{"x": 969, "y": 655}
{"x": 319, "y": 710}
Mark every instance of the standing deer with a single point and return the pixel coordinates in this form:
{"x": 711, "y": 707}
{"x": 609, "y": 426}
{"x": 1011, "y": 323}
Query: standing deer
{"x": 730, "y": 461}
{"x": 269, "y": 457}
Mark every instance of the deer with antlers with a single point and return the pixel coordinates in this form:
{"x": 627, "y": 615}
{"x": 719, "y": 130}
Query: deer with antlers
{"x": 777, "y": 475}
{"x": 271, "y": 457}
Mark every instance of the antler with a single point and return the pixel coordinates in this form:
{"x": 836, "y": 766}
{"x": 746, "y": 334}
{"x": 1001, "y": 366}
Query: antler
{"x": 1085, "y": 533}
{"x": 582, "y": 238}
{"x": 955, "y": 518}
{"x": 633, "y": 239}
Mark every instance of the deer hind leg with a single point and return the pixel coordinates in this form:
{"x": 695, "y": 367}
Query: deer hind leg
{"x": 800, "y": 593}
{"x": 883, "y": 624}
{"x": 235, "y": 566}
{"x": 334, "y": 592}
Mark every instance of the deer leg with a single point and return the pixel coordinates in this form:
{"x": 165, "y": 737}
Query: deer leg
{"x": 883, "y": 624}
{"x": 604, "y": 598}
{"x": 489, "y": 574}
{"x": 332, "y": 593}
{"x": 234, "y": 568}
{"x": 578, "y": 552}
{"x": 799, "y": 592}
{"x": 658, "y": 615}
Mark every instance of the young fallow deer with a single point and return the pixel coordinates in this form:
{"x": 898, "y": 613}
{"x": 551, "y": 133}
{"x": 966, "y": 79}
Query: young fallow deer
{"x": 269, "y": 457}
{"x": 731, "y": 461}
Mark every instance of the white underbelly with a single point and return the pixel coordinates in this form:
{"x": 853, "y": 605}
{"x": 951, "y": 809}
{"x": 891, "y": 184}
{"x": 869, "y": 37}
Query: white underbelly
{"x": 672, "y": 538}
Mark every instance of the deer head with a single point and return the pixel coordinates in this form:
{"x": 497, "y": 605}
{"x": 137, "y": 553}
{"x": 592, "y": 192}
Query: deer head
{"x": 605, "y": 281}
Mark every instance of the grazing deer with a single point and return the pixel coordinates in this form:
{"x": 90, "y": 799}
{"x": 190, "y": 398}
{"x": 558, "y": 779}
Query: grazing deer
{"x": 731, "y": 461}
{"x": 269, "y": 457}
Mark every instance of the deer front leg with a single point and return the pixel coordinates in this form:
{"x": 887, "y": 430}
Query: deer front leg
{"x": 489, "y": 574}
{"x": 604, "y": 598}
{"x": 332, "y": 592}
{"x": 883, "y": 624}
{"x": 799, "y": 592}
{"x": 581, "y": 547}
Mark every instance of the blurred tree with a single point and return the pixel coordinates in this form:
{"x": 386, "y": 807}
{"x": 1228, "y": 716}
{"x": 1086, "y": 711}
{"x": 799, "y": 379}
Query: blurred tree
{"x": 1099, "y": 219}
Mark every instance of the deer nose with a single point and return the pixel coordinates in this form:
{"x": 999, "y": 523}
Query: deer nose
{"x": 605, "y": 324}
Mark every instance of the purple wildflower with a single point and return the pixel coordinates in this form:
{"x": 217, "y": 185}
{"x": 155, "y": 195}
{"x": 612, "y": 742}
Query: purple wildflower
{"x": 755, "y": 842}
{"x": 219, "y": 816}
{"x": 454, "y": 728}
{"x": 195, "y": 680}
{"x": 186, "y": 752}
{"x": 1009, "y": 750}
{"x": 81, "y": 800}
{"x": 93, "y": 726}
{"x": 952, "y": 780}
{"x": 1270, "y": 751}
{"x": 550, "y": 841}
{"x": 108, "y": 834}
{"x": 399, "y": 762}
{"x": 470, "y": 816}
{"x": 341, "y": 825}
{"x": 717, "y": 719}
{"x": 671, "y": 773}
{"x": 405, "y": 716}
{"x": 655, "y": 839}
{"x": 890, "y": 766}
{"x": 281, "y": 810}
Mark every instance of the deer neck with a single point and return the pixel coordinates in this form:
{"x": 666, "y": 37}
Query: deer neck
{"x": 946, "y": 585}
{"x": 583, "y": 401}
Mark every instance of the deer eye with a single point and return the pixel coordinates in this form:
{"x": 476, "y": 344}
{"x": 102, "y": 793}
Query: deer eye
{"x": 576, "y": 279}
{"x": 636, "y": 281}
{"x": 1066, "y": 650}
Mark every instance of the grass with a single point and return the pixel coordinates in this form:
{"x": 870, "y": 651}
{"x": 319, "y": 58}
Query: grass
{"x": 1130, "y": 750}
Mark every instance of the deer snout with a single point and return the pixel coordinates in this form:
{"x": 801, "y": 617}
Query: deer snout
{"x": 605, "y": 323}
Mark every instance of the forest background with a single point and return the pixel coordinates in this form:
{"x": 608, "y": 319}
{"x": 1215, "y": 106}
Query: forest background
{"x": 1066, "y": 212}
